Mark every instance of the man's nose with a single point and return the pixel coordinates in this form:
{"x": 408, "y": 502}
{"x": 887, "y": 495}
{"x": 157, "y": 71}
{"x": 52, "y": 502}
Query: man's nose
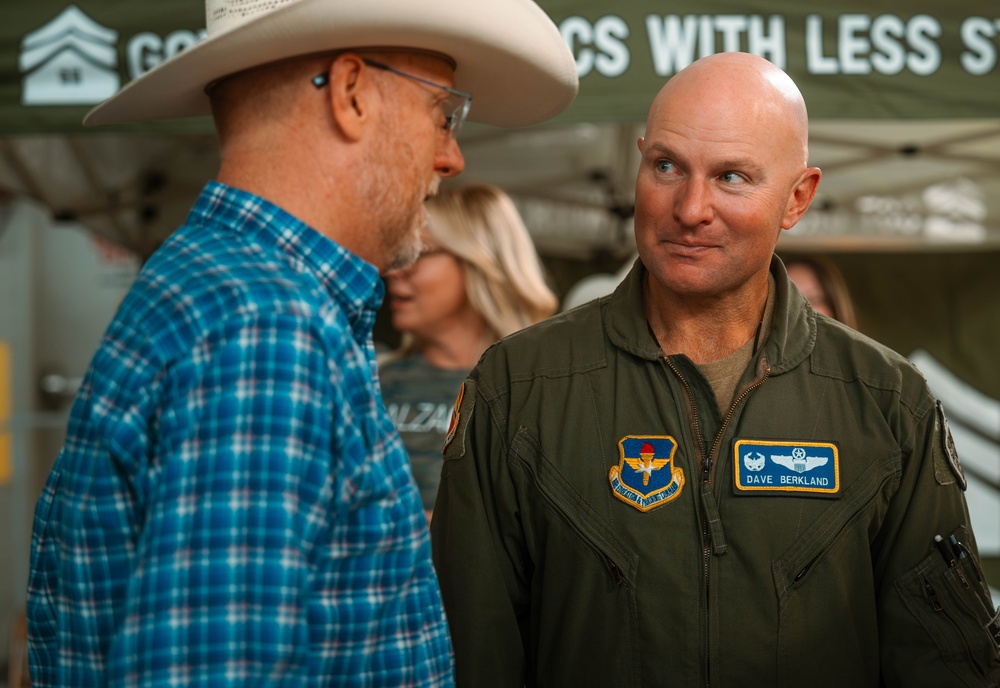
{"x": 693, "y": 205}
{"x": 449, "y": 161}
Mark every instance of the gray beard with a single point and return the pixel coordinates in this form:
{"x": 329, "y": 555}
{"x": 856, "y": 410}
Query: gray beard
{"x": 398, "y": 233}
{"x": 406, "y": 254}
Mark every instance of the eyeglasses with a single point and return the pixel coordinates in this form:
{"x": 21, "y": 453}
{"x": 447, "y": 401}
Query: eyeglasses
{"x": 455, "y": 107}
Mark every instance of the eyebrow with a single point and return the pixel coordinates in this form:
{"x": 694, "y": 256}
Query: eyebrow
{"x": 748, "y": 165}
{"x": 658, "y": 150}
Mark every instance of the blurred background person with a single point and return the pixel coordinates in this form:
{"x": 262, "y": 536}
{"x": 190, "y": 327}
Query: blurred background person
{"x": 478, "y": 279}
{"x": 823, "y": 285}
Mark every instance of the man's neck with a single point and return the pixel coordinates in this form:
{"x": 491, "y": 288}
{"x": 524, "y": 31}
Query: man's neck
{"x": 705, "y": 330}
{"x": 320, "y": 204}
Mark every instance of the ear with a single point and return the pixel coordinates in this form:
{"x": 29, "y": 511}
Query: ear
{"x": 351, "y": 94}
{"x": 801, "y": 196}
{"x": 639, "y": 143}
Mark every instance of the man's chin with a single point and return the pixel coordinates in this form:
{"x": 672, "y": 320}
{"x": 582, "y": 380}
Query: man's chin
{"x": 408, "y": 251}
{"x": 405, "y": 256}
{"x": 402, "y": 260}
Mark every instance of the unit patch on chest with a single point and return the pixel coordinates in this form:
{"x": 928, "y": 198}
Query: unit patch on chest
{"x": 786, "y": 468}
{"x": 645, "y": 476}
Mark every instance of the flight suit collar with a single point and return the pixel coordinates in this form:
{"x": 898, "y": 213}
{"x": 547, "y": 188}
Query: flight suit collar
{"x": 625, "y": 320}
{"x": 793, "y": 326}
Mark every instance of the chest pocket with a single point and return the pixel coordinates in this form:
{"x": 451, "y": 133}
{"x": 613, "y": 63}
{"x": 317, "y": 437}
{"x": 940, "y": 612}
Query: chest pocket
{"x": 793, "y": 568}
{"x": 821, "y": 618}
{"x": 568, "y": 540}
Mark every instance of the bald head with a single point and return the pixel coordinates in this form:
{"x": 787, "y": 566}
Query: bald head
{"x": 741, "y": 86}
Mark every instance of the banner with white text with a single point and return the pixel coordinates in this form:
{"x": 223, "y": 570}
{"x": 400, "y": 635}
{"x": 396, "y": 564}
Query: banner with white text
{"x": 864, "y": 60}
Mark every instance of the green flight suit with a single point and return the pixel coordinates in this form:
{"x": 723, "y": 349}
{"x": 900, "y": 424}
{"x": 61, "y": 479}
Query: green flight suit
{"x": 554, "y": 574}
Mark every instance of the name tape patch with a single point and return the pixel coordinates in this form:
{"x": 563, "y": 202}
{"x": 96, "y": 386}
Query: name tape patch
{"x": 786, "y": 468}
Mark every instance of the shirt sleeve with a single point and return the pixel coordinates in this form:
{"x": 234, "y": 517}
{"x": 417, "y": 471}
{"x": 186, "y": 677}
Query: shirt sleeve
{"x": 241, "y": 485}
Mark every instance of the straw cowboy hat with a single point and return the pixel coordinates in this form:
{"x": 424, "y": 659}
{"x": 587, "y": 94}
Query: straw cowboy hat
{"x": 509, "y": 54}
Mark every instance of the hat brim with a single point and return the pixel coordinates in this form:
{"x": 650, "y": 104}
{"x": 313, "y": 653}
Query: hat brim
{"x": 509, "y": 56}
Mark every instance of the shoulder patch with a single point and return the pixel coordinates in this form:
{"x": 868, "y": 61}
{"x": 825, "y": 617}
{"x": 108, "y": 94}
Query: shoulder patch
{"x": 461, "y": 412}
{"x": 947, "y": 468}
{"x": 789, "y": 468}
{"x": 645, "y": 476}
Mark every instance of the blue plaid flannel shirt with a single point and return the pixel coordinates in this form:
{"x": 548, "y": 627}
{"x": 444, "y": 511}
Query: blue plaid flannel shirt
{"x": 232, "y": 505}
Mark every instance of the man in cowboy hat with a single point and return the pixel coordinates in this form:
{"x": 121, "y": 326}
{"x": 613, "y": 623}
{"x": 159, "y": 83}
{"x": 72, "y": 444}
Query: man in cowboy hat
{"x": 232, "y": 504}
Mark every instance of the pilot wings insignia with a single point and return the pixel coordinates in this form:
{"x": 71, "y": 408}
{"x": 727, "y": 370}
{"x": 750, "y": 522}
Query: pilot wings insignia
{"x": 800, "y": 465}
{"x": 798, "y": 461}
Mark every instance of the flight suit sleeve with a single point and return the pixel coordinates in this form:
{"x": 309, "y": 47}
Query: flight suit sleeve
{"x": 938, "y": 625}
{"x": 478, "y": 550}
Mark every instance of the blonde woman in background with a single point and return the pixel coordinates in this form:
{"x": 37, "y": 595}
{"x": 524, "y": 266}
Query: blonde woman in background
{"x": 478, "y": 279}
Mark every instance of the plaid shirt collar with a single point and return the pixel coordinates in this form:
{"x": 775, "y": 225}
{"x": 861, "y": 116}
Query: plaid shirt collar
{"x": 353, "y": 283}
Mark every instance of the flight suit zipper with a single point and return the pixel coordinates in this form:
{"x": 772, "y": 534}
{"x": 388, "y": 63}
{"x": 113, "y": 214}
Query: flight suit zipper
{"x": 708, "y": 473}
{"x": 762, "y": 376}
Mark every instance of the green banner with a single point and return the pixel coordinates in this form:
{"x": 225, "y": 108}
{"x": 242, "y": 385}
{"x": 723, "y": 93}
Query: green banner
{"x": 878, "y": 59}
{"x": 852, "y": 59}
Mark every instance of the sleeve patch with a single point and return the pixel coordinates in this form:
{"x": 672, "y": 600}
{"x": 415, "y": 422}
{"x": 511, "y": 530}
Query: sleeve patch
{"x": 461, "y": 414}
{"x": 947, "y": 468}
